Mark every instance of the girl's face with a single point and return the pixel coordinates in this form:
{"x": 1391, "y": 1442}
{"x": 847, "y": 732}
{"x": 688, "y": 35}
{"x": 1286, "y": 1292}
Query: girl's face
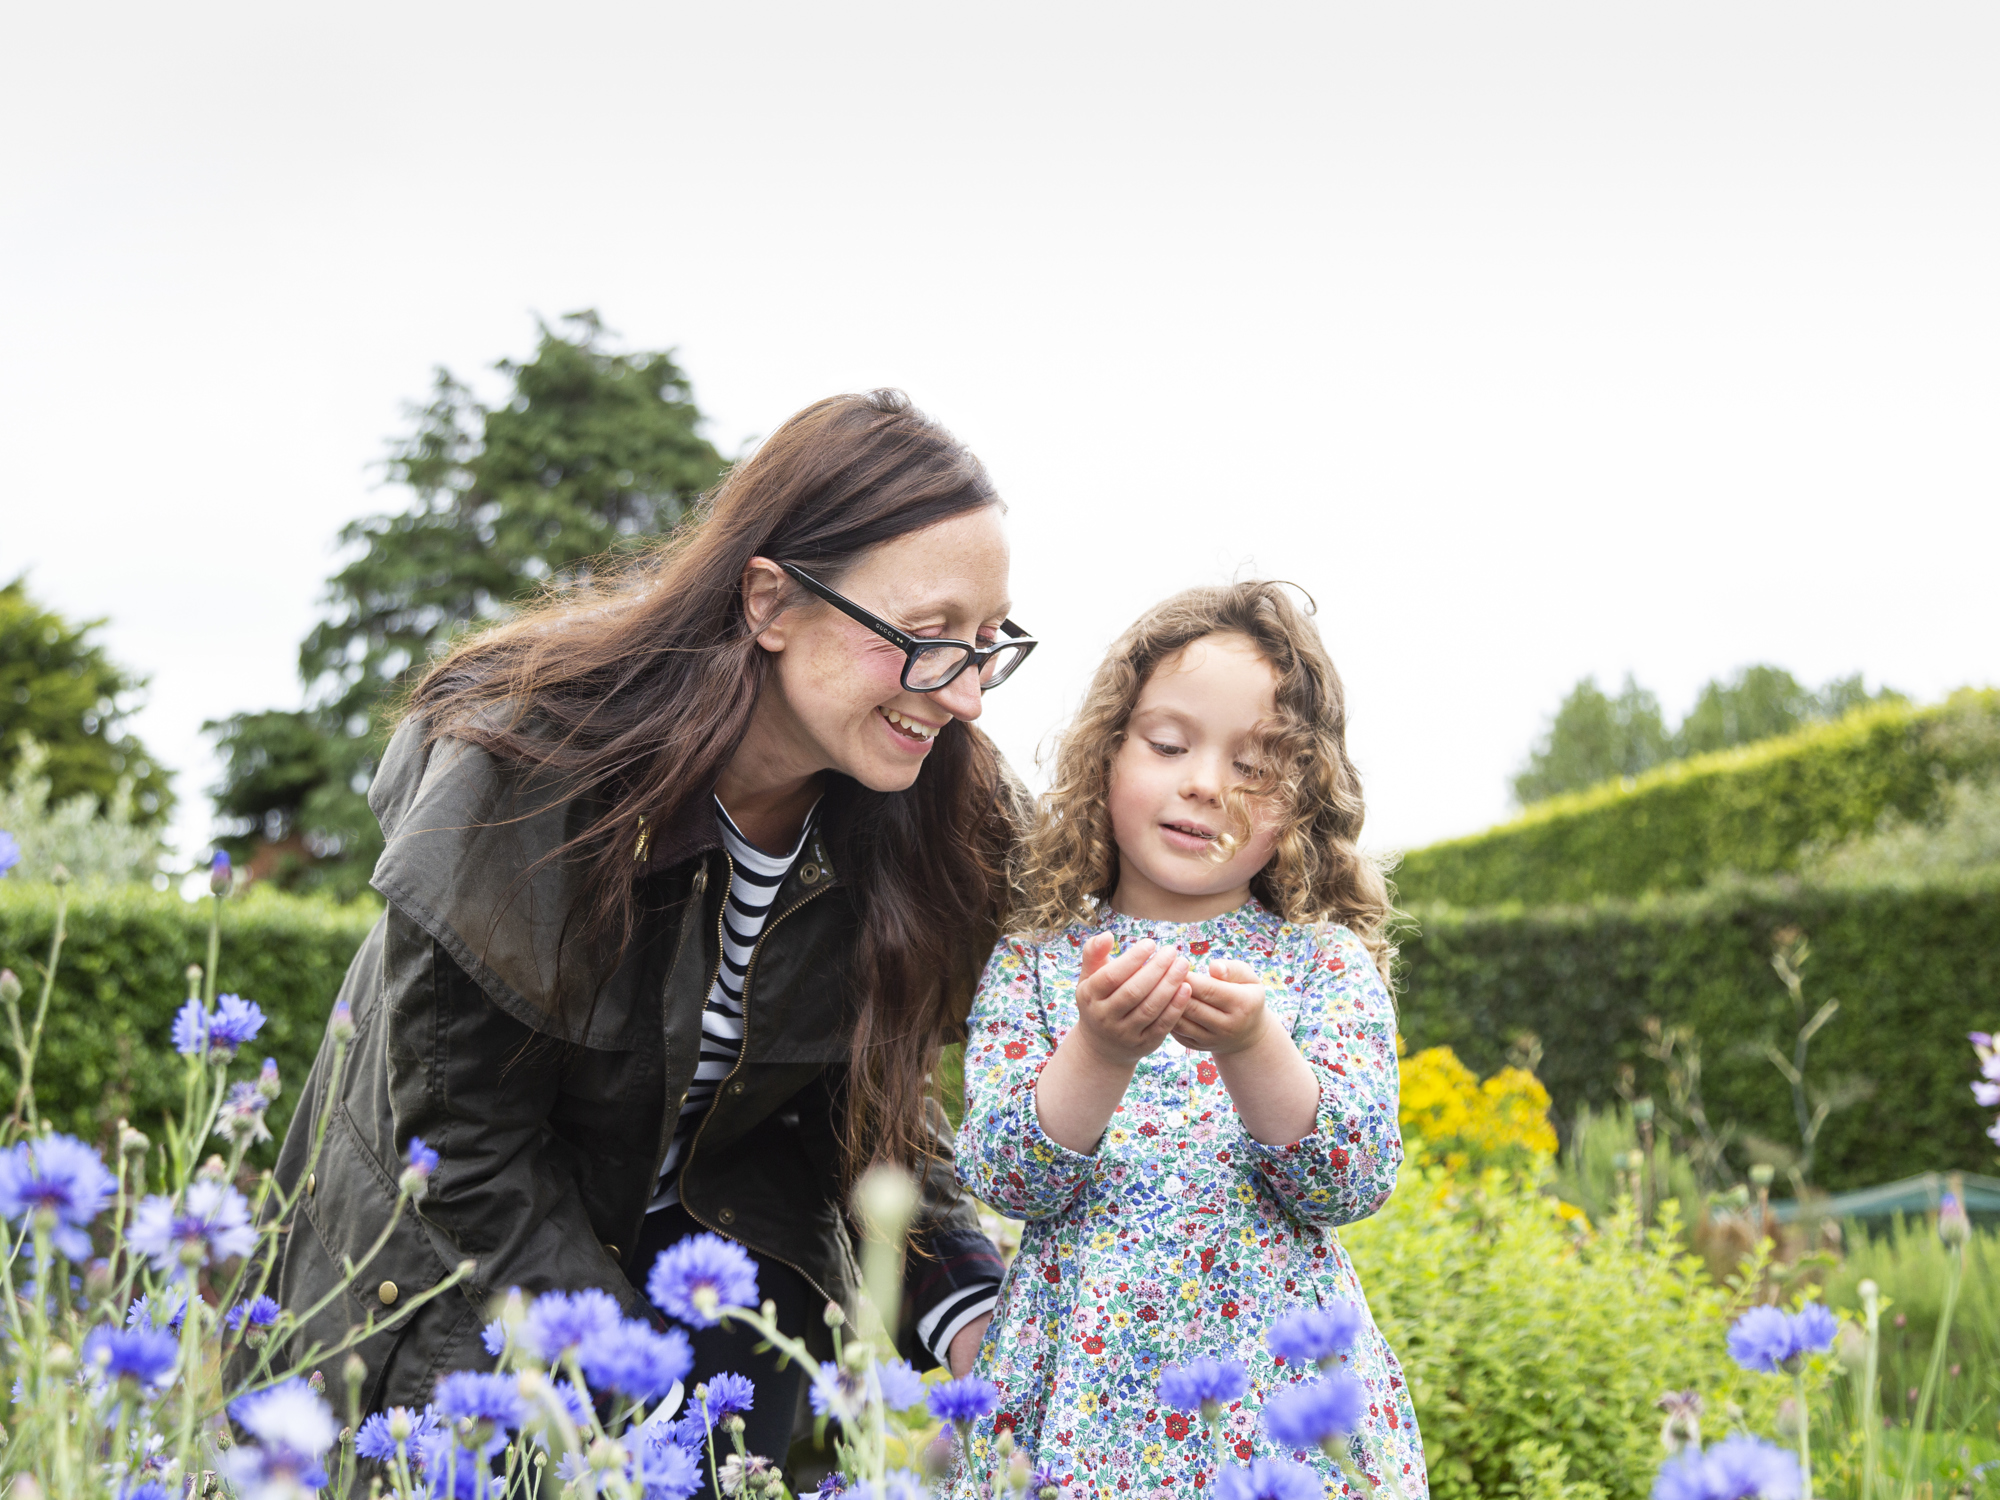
{"x": 835, "y": 699}
{"x": 1190, "y": 737}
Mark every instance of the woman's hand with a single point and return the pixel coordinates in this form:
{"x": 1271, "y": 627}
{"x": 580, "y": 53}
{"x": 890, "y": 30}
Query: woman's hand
{"x": 965, "y": 1346}
{"x": 1126, "y": 1004}
{"x": 1226, "y": 1012}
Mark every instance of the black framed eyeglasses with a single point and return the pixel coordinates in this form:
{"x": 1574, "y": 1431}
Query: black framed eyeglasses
{"x": 930, "y": 664}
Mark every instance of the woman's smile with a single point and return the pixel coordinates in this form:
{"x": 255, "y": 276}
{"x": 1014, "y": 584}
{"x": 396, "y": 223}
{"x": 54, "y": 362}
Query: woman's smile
{"x": 910, "y": 733}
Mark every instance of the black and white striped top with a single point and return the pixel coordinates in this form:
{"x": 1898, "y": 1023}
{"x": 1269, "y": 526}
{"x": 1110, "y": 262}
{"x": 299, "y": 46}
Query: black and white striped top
{"x": 752, "y": 888}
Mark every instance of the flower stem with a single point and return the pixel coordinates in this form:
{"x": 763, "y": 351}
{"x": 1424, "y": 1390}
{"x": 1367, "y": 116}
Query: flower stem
{"x": 1805, "y": 1433}
{"x": 1914, "y": 1447}
{"x": 1871, "y": 1418}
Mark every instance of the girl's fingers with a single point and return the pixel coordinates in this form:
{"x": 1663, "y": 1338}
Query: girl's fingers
{"x": 1171, "y": 991}
{"x": 1102, "y": 978}
{"x": 1164, "y": 967}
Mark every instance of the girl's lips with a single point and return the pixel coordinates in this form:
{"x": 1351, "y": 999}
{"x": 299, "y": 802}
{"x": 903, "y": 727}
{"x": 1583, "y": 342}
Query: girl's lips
{"x": 1187, "y": 843}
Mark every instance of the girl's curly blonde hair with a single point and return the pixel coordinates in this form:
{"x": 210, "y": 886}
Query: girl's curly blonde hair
{"x": 1307, "y": 785}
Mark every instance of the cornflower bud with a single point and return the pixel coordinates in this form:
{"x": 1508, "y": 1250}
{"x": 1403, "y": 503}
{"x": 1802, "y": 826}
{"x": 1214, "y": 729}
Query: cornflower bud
{"x": 215, "y": 1169}
{"x": 267, "y": 1079}
{"x": 833, "y": 1315}
{"x": 192, "y": 975}
{"x": 59, "y": 875}
{"x": 341, "y": 1022}
{"x": 10, "y": 987}
{"x": 219, "y": 873}
{"x": 1954, "y": 1228}
{"x": 61, "y": 1360}
{"x": 316, "y": 1383}
{"x": 133, "y": 1142}
{"x": 1762, "y": 1173}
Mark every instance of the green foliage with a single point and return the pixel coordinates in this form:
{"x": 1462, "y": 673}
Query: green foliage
{"x": 1759, "y": 810}
{"x": 1592, "y": 1171}
{"x": 1914, "y": 968}
{"x": 1908, "y": 1262}
{"x": 592, "y": 454}
{"x": 93, "y": 843}
{"x": 107, "y": 1051}
{"x": 1594, "y": 738}
{"x": 1535, "y": 1348}
{"x": 63, "y": 693}
{"x": 1961, "y": 836}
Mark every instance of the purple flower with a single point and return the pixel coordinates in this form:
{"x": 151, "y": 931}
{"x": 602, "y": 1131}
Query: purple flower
{"x": 558, "y": 1322}
{"x": 662, "y": 1468}
{"x": 218, "y": 873}
{"x": 293, "y": 1427}
{"x": 145, "y": 1489}
{"x": 833, "y": 1484}
{"x": 260, "y": 1314}
{"x": 1986, "y": 1093}
{"x": 144, "y": 1356}
{"x": 1736, "y": 1468}
{"x": 1203, "y": 1385}
{"x": 477, "y": 1410}
{"x": 1813, "y": 1329}
{"x": 340, "y": 1024}
{"x": 59, "y": 1177}
{"x": 838, "y": 1393}
{"x": 378, "y": 1436}
{"x": 233, "y": 1022}
{"x": 963, "y": 1402}
{"x": 1315, "y": 1412}
{"x": 634, "y": 1361}
{"x": 166, "y": 1312}
{"x": 213, "y": 1225}
{"x": 724, "y": 1395}
{"x": 494, "y": 1337}
{"x": 10, "y": 852}
{"x": 1768, "y": 1340}
{"x": 695, "y": 1279}
{"x": 1267, "y": 1479}
{"x": 240, "y": 1120}
{"x": 267, "y": 1079}
{"x": 416, "y": 1178}
{"x": 1953, "y": 1227}
{"x": 900, "y": 1385}
{"x": 452, "y": 1470}
{"x": 1316, "y": 1335}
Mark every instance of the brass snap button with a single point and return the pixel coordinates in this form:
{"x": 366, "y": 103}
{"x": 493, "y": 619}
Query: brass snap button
{"x": 726, "y": 1215}
{"x": 612, "y": 1251}
{"x": 809, "y": 873}
{"x": 312, "y": 1183}
{"x": 388, "y": 1293}
{"x": 736, "y": 1088}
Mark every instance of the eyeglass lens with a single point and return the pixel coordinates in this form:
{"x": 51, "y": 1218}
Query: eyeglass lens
{"x": 934, "y": 667}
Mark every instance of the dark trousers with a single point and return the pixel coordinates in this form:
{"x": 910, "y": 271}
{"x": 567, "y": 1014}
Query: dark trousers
{"x": 732, "y": 1349}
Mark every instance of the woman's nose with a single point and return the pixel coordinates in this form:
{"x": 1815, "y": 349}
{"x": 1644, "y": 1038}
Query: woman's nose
{"x": 961, "y": 697}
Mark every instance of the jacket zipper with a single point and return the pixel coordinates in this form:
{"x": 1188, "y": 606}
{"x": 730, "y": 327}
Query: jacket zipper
{"x": 749, "y": 969}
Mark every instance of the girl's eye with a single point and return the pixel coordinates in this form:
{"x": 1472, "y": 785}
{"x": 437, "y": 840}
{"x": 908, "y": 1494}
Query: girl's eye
{"x": 1168, "y": 749}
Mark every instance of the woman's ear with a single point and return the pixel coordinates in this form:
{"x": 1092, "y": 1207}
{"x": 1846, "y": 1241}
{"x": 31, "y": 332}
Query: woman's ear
{"x": 764, "y": 589}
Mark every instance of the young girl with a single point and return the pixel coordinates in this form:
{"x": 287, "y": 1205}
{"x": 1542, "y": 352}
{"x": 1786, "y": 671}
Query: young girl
{"x": 1183, "y": 1077}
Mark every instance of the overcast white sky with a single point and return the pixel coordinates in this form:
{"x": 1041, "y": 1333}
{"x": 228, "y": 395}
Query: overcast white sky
{"x": 1534, "y": 339}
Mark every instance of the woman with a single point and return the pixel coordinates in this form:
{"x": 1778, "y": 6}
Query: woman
{"x": 688, "y": 877}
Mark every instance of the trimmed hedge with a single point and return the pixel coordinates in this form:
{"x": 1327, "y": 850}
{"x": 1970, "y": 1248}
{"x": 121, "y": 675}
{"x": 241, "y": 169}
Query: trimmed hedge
{"x": 106, "y": 1049}
{"x": 1914, "y": 967}
{"x": 1753, "y": 811}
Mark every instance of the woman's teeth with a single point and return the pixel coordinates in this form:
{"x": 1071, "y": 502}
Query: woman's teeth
{"x": 909, "y": 726}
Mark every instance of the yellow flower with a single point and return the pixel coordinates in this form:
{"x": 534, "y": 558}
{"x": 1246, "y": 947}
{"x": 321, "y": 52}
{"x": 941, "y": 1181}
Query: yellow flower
{"x": 1120, "y": 1320}
{"x": 1472, "y": 1125}
{"x": 1190, "y": 1290}
{"x": 1104, "y": 1239}
{"x": 1152, "y": 1453}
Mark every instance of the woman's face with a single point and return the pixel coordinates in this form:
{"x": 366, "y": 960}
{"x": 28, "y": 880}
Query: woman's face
{"x": 834, "y": 695}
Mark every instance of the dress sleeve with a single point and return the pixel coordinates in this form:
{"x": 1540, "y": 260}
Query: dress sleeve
{"x": 1346, "y": 1031}
{"x": 1004, "y": 1156}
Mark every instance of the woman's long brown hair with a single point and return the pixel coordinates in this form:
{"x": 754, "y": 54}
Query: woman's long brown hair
{"x": 637, "y": 688}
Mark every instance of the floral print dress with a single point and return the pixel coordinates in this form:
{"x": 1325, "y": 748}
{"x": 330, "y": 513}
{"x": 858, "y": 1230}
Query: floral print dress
{"x": 1180, "y": 1235}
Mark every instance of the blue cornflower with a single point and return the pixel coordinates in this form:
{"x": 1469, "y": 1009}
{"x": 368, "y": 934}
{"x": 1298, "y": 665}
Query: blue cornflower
{"x": 1315, "y": 1413}
{"x": 10, "y": 852}
{"x": 240, "y": 1118}
{"x": 378, "y": 1436}
{"x": 898, "y": 1484}
{"x": 218, "y": 873}
{"x": 293, "y": 1428}
{"x": 1767, "y": 1340}
{"x": 164, "y": 1312}
{"x": 1737, "y": 1468}
{"x": 838, "y": 1393}
{"x": 452, "y": 1470}
{"x": 901, "y": 1386}
{"x": 494, "y": 1337}
{"x": 662, "y": 1468}
{"x": 233, "y": 1022}
{"x": 479, "y": 1409}
{"x": 1813, "y": 1329}
{"x": 1268, "y": 1479}
{"x": 416, "y": 1178}
{"x": 724, "y": 1395}
{"x": 1316, "y": 1335}
{"x": 212, "y": 1226}
{"x": 963, "y": 1402}
{"x": 558, "y": 1322}
{"x": 833, "y": 1484}
{"x": 1203, "y": 1385}
{"x": 144, "y": 1356}
{"x": 61, "y": 1178}
{"x": 695, "y": 1279}
{"x": 257, "y": 1315}
{"x": 145, "y": 1489}
{"x": 633, "y": 1360}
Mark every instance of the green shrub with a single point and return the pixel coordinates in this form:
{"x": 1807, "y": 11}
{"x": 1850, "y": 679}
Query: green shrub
{"x": 1758, "y": 810}
{"x": 1534, "y": 1348}
{"x": 1914, "y": 967}
{"x": 106, "y": 1051}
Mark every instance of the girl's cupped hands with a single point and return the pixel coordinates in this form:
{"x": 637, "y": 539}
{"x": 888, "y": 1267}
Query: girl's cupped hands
{"x": 1225, "y": 1009}
{"x": 1127, "y": 1003}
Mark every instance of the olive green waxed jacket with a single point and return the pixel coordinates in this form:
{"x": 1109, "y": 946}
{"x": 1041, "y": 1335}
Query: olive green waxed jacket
{"x": 551, "y": 1106}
